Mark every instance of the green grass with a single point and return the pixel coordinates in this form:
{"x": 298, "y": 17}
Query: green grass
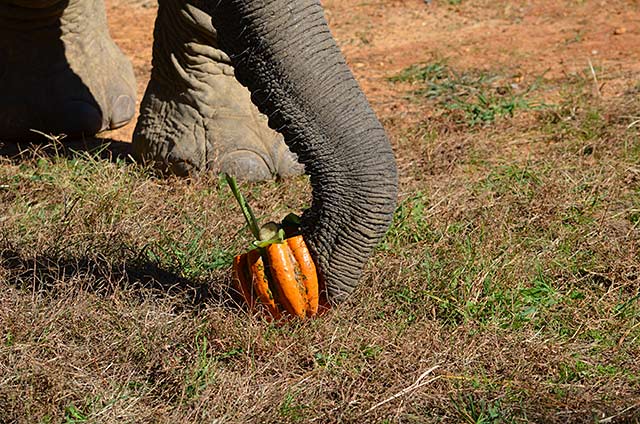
{"x": 203, "y": 370}
{"x": 188, "y": 254}
{"x": 472, "y": 98}
{"x": 292, "y": 408}
{"x": 479, "y": 411}
{"x": 72, "y": 415}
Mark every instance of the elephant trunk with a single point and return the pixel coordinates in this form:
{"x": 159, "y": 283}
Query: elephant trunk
{"x": 284, "y": 53}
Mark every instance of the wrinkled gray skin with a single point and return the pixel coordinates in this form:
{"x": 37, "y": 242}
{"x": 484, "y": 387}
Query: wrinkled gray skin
{"x": 62, "y": 73}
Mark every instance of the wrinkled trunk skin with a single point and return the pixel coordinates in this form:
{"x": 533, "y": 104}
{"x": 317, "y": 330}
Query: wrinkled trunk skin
{"x": 283, "y": 52}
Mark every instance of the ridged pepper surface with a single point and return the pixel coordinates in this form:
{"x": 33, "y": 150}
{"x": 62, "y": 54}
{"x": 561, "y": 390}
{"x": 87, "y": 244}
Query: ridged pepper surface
{"x": 288, "y": 282}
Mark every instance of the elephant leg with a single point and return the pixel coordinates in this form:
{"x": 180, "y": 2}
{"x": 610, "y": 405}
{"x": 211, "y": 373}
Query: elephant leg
{"x": 60, "y": 71}
{"x": 195, "y": 116}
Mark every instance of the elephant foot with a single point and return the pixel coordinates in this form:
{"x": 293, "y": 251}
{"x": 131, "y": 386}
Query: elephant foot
{"x": 60, "y": 71}
{"x": 195, "y": 116}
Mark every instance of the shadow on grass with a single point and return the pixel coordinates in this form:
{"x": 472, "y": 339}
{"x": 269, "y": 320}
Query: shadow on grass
{"x": 100, "y": 148}
{"x": 107, "y": 269}
{"x": 138, "y": 276}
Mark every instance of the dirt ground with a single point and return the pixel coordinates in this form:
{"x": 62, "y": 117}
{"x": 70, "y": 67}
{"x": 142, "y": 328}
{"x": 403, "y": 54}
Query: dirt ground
{"x": 380, "y": 38}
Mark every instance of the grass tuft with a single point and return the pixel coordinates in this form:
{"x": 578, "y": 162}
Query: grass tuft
{"x": 472, "y": 98}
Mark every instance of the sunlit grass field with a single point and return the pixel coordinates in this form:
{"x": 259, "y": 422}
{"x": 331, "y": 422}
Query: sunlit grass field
{"x": 506, "y": 291}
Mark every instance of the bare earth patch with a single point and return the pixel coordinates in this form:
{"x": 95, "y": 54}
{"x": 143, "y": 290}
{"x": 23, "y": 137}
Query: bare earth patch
{"x": 507, "y": 289}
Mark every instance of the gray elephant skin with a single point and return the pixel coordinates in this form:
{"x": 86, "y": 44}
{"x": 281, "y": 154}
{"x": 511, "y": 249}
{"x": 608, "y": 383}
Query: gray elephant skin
{"x": 233, "y": 83}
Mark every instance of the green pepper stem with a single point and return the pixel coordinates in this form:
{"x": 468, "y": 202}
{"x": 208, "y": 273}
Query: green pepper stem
{"x": 246, "y": 209}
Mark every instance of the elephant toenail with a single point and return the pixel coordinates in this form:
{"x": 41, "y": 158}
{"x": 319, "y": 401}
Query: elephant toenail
{"x": 246, "y": 165}
{"x": 122, "y": 112}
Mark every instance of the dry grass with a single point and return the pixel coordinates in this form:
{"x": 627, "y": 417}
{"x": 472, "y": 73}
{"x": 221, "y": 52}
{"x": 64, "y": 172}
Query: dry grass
{"x": 506, "y": 291}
